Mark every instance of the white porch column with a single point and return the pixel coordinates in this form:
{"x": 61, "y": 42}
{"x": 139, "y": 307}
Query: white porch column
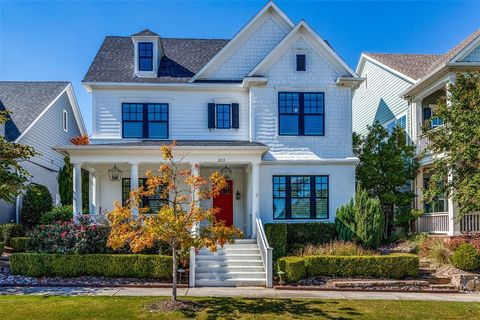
{"x": 248, "y": 202}
{"x": 94, "y": 183}
{"x": 134, "y": 181}
{"x": 91, "y": 193}
{"x": 255, "y": 197}
{"x": 195, "y": 170}
{"x": 77, "y": 189}
{"x": 453, "y": 226}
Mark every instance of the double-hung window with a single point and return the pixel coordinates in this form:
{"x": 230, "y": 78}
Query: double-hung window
{"x": 145, "y": 56}
{"x": 300, "y": 197}
{"x": 301, "y": 113}
{"x": 223, "y": 116}
{"x": 153, "y": 202}
{"x": 145, "y": 120}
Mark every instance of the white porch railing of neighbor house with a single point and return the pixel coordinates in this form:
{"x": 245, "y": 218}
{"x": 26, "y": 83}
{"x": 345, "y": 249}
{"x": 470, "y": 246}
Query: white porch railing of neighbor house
{"x": 470, "y": 223}
{"x": 432, "y": 223}
{"x": 422, "y": 144}
{"x": 265, "y": 252}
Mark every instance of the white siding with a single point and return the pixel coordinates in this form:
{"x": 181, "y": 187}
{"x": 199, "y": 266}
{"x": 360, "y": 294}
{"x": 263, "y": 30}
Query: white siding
{"x": 255, "y": 48}
{"x": 188, "y": 116}
{"x": 381, "y": 101}
{"x": 319, "y": 77}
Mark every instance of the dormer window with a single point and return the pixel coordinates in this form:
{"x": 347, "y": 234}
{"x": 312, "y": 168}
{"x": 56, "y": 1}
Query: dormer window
{"x": 145, "y": 56}
{"x": 301, "y": 62}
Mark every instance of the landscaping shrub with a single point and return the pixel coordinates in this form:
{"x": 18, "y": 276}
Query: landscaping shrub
{"x": 473, "y": 239}
{"x": 69, "y": 237}
{"x": 361, "y": 220}
{"x": 10, "y": 230}
{"x": 294, "y": 268}
{"x": 435, "y": 249}
{"x": 2, "y": 248}
{"x": 388, "y": 266}
{"x": 106, "y": 265}
{"x": 18, "y": 244}
{"x": 36, "y": 201}
{"x": 57, "y": 214}
{"x": 335, "y": 248}
{"x": 466, "y": 257}
{"x": 276, "y": 234}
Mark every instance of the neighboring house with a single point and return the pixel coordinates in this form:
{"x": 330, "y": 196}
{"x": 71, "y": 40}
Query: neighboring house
{"x": 43, "y": 114}
{"x": 270, "y": 107}
{"x": 404, "y": 88}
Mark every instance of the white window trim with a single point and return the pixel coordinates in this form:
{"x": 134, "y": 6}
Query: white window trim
{"x": 396, "y": 118}
{"x": 65, "y": 120}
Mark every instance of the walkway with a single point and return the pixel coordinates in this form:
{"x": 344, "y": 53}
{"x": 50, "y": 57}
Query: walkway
{"x": 239, "y": 292}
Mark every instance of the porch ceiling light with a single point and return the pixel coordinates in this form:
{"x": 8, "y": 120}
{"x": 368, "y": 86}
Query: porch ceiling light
{"x": 226, "y": 172}
{"x": 114, "y": 174}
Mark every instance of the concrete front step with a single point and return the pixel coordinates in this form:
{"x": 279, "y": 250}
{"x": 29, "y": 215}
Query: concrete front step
{"x": 230, "y": 283}
{"x": 217, "y": 269}
{"x": 228, "y": 257}
{"x": 229, "y": 250}
{"x": 229, "y": 263}
{"x": 229, "y": 275}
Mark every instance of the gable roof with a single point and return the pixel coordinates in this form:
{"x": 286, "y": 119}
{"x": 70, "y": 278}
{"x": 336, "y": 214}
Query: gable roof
{"x": 26, "y": 101}
{"x": 146, "y": 32}
{"x": 238, "y": 38}
{"x": 413, "y": 66}
{"x": 419, "y": 66}
{"x": 182, "y": 58}
{"x": 282, "y": 46}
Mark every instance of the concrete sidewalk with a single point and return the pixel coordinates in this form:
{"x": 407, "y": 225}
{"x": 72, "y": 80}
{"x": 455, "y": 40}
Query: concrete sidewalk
{"x": 239, "y": 292}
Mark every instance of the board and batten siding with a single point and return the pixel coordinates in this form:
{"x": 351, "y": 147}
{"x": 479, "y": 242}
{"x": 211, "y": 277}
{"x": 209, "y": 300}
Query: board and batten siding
{"x": 48, "y": 132}
{"x": 378, "y": 98}
{"x": 188, "y": 113}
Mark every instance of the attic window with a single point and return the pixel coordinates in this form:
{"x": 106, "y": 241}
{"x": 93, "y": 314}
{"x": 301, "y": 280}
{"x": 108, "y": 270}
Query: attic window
{"x": 65, "y": 120}
{"x": 145, "y": 56}
{"x": 301, "y": 62}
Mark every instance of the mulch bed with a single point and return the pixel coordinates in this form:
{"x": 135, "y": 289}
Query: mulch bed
{"x": 170, "y": 305}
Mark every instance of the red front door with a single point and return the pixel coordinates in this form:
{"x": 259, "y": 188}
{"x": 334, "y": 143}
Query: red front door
{"x": 224, "y": 201}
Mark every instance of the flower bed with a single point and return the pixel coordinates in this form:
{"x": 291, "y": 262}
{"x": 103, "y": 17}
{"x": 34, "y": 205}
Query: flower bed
{"x": 106, "y": 265}
{"x": 394, "y": 266}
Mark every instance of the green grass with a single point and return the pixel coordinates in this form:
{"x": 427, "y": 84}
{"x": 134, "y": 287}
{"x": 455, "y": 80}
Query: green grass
{"x": 54, "y": 307}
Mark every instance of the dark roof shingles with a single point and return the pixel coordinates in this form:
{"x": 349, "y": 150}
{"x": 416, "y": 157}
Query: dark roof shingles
{"x": 182, "y": 59}
{"x": 26, "y": 100}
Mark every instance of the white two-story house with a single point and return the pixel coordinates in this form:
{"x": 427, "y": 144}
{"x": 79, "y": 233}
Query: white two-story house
{"x": 404, "y": 89}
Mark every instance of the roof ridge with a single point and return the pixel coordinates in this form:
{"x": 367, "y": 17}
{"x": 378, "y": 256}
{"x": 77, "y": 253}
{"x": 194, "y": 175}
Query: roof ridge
{"x": 175, "y": 38}
{"x": 34, "y": 81}
{"x": 410, "y": 54}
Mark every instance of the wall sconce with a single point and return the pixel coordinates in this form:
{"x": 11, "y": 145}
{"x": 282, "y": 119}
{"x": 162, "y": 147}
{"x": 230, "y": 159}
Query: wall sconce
{"x": 237, "y": 195}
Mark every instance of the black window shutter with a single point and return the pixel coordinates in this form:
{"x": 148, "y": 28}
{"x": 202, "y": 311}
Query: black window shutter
{"x": 301, "y": 62}
{"x": 211, "y": 116}
{"x": 427, "y": 114}
{"x": 235, "y": 116}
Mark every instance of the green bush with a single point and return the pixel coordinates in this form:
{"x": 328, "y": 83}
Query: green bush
{"x": 10, "y": 230}
{"x": 466, "y": 257}
{"x": 36, "y": 201}
{"x": 106, "y": 265}
{"x": 18, "y": 244}
{"x": 388, "y": 266}
{"x": 287, "y": 237}
{"x": 277, "y": 239}
{"x": 2, "y": 248}
{"x": 335, "y": 248}
{"x": 57, "y": 214}
{"x": 294, "y": 268}
{"x": 361, "y": 220}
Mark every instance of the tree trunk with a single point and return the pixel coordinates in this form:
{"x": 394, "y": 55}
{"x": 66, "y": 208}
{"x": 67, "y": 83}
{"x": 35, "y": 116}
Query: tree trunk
{"x": 174, "y": 275}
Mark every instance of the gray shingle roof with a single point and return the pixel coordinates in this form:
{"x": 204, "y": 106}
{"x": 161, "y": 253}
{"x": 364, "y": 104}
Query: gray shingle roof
{"x": 186, "y": 143}
{"x": 183, "y": 58}
{"x": 25, "y": 101}
{"x": 417, "y": 66}
{"x": 414, "y": 66}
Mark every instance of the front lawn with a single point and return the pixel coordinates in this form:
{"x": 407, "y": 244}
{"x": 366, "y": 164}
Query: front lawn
{"x": 69, "y": 308}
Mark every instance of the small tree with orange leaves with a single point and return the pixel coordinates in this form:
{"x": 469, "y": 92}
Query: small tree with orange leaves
{"x": 175, "y": 223}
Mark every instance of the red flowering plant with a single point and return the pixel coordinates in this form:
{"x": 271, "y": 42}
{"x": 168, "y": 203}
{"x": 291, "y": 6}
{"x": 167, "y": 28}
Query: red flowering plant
{"x": 70, "y": 237}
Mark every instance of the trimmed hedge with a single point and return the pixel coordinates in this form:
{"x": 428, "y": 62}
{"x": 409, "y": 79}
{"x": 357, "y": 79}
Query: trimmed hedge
{"x": 394, "y": 266}
{"x": 18, "y": 244}
{"x": 466, "y": 257}
{"x": 284, "y": 237}
{"x": 10, "y": 230}
{"x": 106, "y": 265}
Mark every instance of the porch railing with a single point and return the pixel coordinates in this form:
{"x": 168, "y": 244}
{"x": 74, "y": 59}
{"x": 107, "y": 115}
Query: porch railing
{"x": 265, "y": 252}
{"x": 422, "y": 144}
{"x": 470, "y": 223}
{"x": 432, "y": 223}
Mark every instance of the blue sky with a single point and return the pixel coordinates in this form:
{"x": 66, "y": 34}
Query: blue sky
{"x": 57, "y": 40}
